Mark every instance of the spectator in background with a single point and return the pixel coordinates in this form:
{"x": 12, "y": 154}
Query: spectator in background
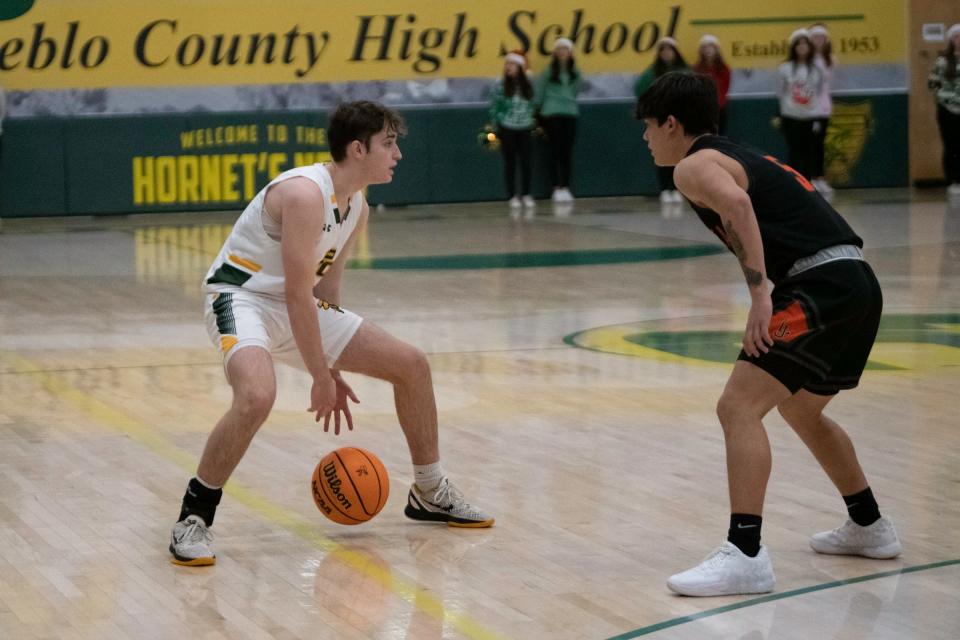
{"x": 823, "y": 59}
{"x": 945, "y": 82}
{"x": 800, "y": 83}
{"x": 668, "y": 59}
{"x": 511, "y": 112}
{"x": 556, "y": 103}
{"x": 710, "y": 63}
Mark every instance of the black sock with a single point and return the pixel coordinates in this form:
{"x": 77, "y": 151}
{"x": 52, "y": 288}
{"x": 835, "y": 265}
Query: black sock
{"x": 745, "y": 533}
{"x": 862, "y": 507}
{"x": 200, "y": 501}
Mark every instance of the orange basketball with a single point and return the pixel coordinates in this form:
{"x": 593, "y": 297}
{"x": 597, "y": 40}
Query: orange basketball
{"x": 350, "y": 485}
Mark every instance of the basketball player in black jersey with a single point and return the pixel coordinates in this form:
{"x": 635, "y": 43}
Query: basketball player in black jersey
{"x": 814, "y": 312}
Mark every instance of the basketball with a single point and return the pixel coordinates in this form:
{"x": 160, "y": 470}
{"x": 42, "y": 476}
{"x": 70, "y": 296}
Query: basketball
{"x": 350, "y": 485}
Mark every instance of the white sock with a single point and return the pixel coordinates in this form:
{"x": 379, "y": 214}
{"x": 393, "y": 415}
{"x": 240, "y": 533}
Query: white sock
{"x": 428, "y": 476}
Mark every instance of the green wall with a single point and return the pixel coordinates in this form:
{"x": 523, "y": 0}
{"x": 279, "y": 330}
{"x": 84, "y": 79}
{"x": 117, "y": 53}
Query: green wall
{"x": 84, "y": 165}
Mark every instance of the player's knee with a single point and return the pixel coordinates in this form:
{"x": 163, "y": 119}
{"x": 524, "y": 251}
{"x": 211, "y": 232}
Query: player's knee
{"x": 726, "y": 410}
{"x": 254, "y": 405}
{"x": 415, "y": 365}
{"x": 407, "y": 365}
{"x": 734, "y": 409}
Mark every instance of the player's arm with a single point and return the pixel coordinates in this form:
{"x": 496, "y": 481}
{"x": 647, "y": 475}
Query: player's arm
{"x": 299, "y": 202}
{"x": 705, "y": 181}
{"x": 329, "y": 286}
{"x": 329, "y": 289}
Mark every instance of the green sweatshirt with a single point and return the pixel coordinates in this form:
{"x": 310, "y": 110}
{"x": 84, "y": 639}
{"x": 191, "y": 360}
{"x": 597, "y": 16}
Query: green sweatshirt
{"x": 557, "y": 98}
{"x": 510, "y": 112}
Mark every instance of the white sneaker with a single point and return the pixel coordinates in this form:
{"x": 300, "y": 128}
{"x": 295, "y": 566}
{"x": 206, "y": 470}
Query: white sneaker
{"x": 820, "y": 184}
{"x": 675, "y": 197}
{"x": 558, "y": 195}
{"x": 515, "y": 202}
{"x": 444, "y": 504}
{"x": 725, "y": 572}
{"x": 529, "y": 202}
{"x": 665, "y": 197}
{"x": 191, "y": 543}
{"x": 567, "y": 196}
{"x": 953, "y": 191}
{"x": 877, "y": 540}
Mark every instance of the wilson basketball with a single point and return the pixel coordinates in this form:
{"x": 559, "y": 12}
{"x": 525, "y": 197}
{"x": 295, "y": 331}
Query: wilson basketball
{"x": 350, "y": 485}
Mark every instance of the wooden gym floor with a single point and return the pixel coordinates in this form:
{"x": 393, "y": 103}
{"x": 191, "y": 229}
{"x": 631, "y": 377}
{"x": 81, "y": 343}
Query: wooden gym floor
{"x": 577, "y": 356}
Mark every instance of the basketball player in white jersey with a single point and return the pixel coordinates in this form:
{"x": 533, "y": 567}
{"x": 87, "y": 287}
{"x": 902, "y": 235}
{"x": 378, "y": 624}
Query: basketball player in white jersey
{"x": 273, "y": 293}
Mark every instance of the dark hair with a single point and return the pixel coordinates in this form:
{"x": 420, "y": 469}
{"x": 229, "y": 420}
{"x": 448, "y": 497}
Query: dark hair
{"x": 718, "y": 63}
{"x": 792, "y": 56}
{"x": 518, "y": 82}
{"x": 360, "y": 120}
{"x": 691, "y": 99}
{"x": 950, "y": 53}
{"x": 660, "y": 67}
{"x": 570, "y": 65}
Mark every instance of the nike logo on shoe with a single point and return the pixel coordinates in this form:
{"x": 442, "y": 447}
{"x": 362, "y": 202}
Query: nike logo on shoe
{"x": 745, "y": 526}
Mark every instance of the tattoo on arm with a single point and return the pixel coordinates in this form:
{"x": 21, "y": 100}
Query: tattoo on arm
{"x": 754, "y": 277}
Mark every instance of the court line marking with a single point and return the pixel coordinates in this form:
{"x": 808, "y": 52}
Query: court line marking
{"x": 537, "y": 259}
{"x": 642, "y": 631}
{"x": 117, "y": 419}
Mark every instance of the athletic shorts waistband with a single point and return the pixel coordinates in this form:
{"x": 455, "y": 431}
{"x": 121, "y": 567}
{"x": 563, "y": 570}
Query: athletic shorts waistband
{"x": 829, "y": 254}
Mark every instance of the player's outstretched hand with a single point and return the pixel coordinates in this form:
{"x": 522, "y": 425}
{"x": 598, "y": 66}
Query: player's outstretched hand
{"x": 323, "y": 396}
{"x": 341, "y": 405}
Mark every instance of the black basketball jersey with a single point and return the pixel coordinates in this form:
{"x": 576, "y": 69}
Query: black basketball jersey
{"x": 794, "y": 220}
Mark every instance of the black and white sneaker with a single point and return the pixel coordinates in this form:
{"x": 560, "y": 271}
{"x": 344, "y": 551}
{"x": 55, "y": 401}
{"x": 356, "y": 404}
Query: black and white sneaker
{"x": 191, "y": 543}
{"x": 445, "y": 504}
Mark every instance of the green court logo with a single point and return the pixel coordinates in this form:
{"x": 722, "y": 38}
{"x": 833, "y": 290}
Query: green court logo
{"x": 905, "y": 342}
{"x": 10, "y": 9}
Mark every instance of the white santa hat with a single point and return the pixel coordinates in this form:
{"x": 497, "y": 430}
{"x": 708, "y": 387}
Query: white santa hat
{"x": 667, "y": 40}
{"x": 709, "y": 39}
{"x": 954, "y": 30}
{"x": 819, "y": 30}
{"x": 563, "y": 42}
{"x": 517, "y": 58}
{"x": 799, "y": 33}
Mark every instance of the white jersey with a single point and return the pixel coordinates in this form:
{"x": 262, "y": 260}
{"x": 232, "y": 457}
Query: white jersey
{"x": 250, "y": 259}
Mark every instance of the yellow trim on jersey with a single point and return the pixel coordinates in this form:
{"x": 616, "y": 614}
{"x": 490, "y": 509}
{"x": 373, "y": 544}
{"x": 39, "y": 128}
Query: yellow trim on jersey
{"x": 227, "y": 342}
{"x": 243, "y": 262}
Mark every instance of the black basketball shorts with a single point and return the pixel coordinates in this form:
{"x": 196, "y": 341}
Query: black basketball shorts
{"x": 824, "y": 322}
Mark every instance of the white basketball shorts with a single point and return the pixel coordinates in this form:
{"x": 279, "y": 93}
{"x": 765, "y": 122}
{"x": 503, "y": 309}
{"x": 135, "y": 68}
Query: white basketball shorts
{"x": 239, "y": 319}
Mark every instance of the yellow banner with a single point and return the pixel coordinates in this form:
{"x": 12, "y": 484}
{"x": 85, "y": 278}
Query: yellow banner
{"x": 54, "y": 44}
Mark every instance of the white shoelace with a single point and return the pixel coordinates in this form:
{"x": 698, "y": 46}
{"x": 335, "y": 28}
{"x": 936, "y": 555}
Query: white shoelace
{"x": 715, "y": 558}
{"x": 196, "y": 532}
{"x": 447, "y": 496}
